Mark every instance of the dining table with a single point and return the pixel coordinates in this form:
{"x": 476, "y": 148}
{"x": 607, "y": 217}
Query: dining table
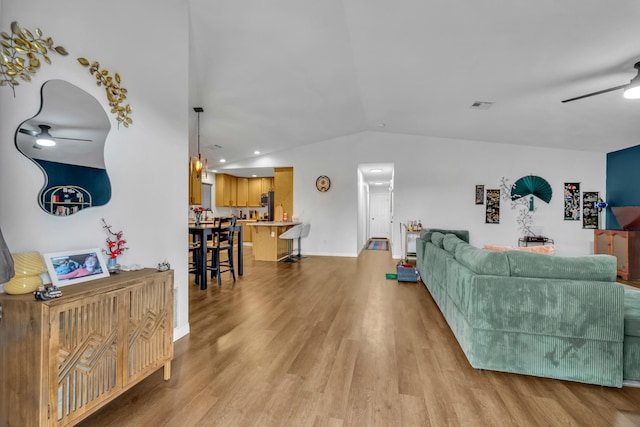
{"x": 201, "y": 233}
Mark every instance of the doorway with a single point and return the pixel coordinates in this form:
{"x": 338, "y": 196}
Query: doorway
{"x": 379, "y": 216}
{"x": 375, "y": 201}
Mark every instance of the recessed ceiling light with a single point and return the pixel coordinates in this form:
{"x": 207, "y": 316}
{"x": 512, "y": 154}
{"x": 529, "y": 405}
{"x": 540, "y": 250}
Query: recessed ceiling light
{"x": 375, "y": 170}
{"x": 254, "y": 176}
{"x": 378, "y": 183}
{"x": 222, "y": 160}
{"x": 256, "y": 152}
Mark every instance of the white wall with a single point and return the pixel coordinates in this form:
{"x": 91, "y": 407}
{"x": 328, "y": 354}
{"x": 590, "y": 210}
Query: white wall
{"x": 149, "y": 181}
{"x": 435, "y": 181}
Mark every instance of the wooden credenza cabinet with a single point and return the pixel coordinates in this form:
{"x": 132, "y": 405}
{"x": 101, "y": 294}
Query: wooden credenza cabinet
{"x": 63, "y": 359}
{"x": 625, "y": 246}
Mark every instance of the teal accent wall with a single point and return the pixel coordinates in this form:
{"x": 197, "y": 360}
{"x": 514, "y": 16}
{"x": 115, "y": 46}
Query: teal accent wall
{"x": 623, "y": 181}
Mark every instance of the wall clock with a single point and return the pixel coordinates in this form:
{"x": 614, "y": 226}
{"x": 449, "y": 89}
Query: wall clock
{"x": 323, "y": 183}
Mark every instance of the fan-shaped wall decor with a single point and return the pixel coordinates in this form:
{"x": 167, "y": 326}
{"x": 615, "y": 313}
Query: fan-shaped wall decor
{"x": 533, "y": 185}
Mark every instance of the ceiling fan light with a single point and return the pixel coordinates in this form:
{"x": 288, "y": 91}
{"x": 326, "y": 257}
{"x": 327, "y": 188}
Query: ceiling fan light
{"x": 632, "y": 92}
{"x": 45, "y": 142}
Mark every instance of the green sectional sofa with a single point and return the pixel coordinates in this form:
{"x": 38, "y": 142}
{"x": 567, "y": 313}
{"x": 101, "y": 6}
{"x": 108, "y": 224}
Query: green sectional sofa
{"x": 528, "y": 313}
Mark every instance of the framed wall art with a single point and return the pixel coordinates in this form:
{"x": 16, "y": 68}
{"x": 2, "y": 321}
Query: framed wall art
{"x": 590, "y": 214}
{"x": 572, "y": 201}
{"x": 479, "y": 194}
{"x": 493, "y": 207}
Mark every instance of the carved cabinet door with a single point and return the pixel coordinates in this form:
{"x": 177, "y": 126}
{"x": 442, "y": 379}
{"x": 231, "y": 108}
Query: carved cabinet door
{"x": 149, "y": 334}
{"x": 84, "y": 359}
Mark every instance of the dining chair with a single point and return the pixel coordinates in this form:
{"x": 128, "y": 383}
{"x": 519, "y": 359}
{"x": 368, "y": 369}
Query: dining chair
{"x": 223, "y": 238}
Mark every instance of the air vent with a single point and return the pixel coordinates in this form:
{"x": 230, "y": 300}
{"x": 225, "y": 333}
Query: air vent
{"x": 481, "y": 105}
{"x": 213, "y": 147}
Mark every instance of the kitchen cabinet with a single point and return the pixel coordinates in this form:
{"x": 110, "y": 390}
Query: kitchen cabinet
{"x": 283, "y": 189}
{"x": 242, "y": 192}
{"x": 65, "y": 358}
{"x": 195, "y": 188}
{"x": 246, "y": 230}
{"x": 226, "y": 190}
{"x": 267, "y": 184}
{"x": 255, "y": 191}
{"x": 232, "y": 191}
{"x": 625, "y": 246}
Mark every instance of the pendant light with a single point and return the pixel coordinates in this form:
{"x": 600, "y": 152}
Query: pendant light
{"x": 196, "y": 162}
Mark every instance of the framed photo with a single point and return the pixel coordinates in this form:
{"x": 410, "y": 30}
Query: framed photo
{"x": 77, "y": 266}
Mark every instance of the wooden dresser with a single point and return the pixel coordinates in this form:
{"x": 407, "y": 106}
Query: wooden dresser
{"x": 625, "y": 246}
{"x": 63, "y": 359}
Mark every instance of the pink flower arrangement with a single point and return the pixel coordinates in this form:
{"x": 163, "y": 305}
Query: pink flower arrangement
{"x": 115, "y": 243}
{"x": 197, "y": 209}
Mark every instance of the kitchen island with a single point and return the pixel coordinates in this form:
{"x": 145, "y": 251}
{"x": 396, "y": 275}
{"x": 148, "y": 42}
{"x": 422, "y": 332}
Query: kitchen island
{"x": 266, "y": 244}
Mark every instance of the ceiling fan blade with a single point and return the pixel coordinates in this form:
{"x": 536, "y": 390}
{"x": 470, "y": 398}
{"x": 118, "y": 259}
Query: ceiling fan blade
{"x": 71, "y": 139}
{"x": 28, "y": 132}
{"x": 611, "y": 89}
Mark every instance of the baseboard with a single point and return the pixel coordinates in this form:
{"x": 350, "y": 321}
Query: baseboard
{"x": 181, "y": 331}
{"x": 631, "y": 383}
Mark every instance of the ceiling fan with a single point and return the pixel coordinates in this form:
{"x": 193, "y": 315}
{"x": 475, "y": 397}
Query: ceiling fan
{"x": 44, "y": 138}
{"x": 631, "y": 89}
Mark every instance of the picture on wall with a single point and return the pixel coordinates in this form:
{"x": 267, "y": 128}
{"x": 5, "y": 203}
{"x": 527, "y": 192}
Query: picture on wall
{"x": 572, "y": 201}
{"x": 590, "y": 214}
{"x": 479, "y": 194}
{"x": 493, "y": 207}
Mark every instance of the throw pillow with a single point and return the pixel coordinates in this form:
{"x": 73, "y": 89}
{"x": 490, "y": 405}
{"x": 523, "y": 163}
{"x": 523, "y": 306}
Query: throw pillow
{"x": 437, "y": 238}
{"x": 546, "y": 249}
{"x": 450, "y": 242}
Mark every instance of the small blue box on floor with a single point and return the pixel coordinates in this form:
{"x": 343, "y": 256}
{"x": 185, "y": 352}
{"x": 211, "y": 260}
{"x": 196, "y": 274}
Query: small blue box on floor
{"x": 406, "y": 274}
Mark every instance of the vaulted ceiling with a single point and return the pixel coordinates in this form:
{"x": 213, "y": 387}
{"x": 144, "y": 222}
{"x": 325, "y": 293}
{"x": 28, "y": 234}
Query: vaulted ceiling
{"x": 276, "y": 74}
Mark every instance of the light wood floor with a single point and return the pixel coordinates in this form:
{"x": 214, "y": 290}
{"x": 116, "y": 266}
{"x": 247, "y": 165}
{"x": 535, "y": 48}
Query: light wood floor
{"x": 330, "y": 342}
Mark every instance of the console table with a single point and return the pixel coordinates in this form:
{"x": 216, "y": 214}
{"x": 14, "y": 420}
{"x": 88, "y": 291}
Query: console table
{"x": 65, "y": 358}
{"x": 534, "y": 241}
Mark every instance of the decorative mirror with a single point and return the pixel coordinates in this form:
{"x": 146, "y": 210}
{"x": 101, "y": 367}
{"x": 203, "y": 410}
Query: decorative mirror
{"x": 66, "y": 140}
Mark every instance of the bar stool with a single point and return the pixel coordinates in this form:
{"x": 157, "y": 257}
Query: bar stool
{"x": 194, "y": 264}
{"x": 305, "y": 232}
{"x": 289, "y": 235}
{"x": 223, "y": 236}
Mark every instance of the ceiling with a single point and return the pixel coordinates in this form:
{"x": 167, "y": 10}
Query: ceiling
{"x": 279, "y": 74}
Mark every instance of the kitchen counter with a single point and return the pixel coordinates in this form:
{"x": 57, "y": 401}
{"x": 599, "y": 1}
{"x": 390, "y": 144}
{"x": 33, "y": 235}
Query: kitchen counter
{"x": 267, "y": 246}
{"x": 273, "y": 224}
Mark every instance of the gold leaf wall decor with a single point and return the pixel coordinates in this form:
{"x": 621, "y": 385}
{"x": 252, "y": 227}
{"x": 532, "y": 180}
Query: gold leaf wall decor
{"x": 116, "y": 94}
{"x": 19, "y": 57}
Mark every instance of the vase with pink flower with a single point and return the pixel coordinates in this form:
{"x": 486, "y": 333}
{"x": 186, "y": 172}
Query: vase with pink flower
{"x": 115, "y": 247}
{"x": 198, "y": 212}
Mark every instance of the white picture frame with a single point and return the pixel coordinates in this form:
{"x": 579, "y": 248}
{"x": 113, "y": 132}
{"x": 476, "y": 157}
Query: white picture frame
{"x": 62, "y": 265}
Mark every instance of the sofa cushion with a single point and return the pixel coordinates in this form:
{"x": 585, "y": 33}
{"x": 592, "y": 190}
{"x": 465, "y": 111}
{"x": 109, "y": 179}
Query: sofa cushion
{"x": 437, "y": 238}
{"x": 451, "y": 242}
{"x": 546, "y": 249}
{"x": 590, "y": 267}
{"x": 482, "y": 261}
{"x": 632, "y": 312}
{"x": 426, "y": 233}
